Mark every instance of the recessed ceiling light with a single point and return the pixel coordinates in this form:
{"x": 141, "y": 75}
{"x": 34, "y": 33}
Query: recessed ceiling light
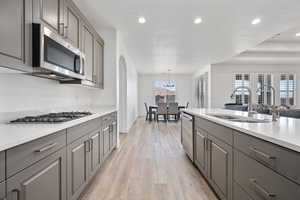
{"x": 256, "y": 21}
{"x": 197, "y": 20}
{"x": 298, "y": 34}
{"x": 142, "y": 20}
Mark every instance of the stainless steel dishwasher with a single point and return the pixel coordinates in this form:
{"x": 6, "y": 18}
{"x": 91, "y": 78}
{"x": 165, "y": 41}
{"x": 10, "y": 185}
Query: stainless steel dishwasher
{"x": 187, "y": 136}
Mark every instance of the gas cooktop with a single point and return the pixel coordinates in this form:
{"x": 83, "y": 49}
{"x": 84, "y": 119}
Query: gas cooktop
{"x": 52, "y": 117}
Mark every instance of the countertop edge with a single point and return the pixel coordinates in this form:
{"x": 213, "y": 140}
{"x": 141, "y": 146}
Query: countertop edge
{"x": 266, "y": 138}
{"x": 55, "y": 129}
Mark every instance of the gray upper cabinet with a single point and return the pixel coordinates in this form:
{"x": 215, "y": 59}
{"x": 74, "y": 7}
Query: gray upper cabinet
{"x": 45, "y": 180}
{"x": 72, "y": 24}
{"x": 88, "y": 49}
{"x": 15, "y": 35}
{"x": 220, "y": 167}
{"x": 98, "y": 63}
{"x": 77, "y": 155}
{"x": 200, "y": 150}
{"x": 2, "y": 166}
{"x": 51, "y": 13}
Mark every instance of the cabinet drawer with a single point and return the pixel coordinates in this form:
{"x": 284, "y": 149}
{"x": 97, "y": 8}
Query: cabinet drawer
{"x": 2, "y": 190}
{"x": 2, "y": 166}
{"x": 221, "y": 132}
{"x": 283, "y": 161}
{"x": 239, "y": 193}
{"x": 262, "y": 183}
{"x": 82, "y": 129}
{"x": 45, "y": 180}
{"x": 22, "y": 156}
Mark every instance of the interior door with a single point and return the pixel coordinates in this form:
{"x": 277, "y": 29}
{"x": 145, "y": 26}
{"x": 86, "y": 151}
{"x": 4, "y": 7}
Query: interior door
{"x": 220, "y": 167}
{"x": 201, "y": 155}
{"x": 44, "y": 180}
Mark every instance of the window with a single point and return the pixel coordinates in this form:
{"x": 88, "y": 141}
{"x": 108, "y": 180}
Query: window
{"x": 264, "y": 93}
{"x": 287, "y": 89}
{"x": 242, "y": 95}
{"x": 165, "y": 91}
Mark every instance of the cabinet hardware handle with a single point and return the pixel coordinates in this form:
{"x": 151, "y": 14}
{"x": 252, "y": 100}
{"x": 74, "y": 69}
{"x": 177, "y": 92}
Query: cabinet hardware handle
{"x": 48, "y": 147}
{"x": 16, "y": 191}
{"x": 66, "y": 31}
{"x": 87, "y": 146}
{"x": 62, "y": 29}
{"x": 205, "y": 143}
{"x": 264, "y": 192}
{"x": 91, "y": 144}
{"x": 262, "y": 153}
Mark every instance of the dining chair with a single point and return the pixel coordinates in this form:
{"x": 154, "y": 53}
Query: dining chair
{"x": 187, "y": 105}
{"x": 162, "y": 109}
{"x": 148, "y": 113}
{"x": 173, "y": 110}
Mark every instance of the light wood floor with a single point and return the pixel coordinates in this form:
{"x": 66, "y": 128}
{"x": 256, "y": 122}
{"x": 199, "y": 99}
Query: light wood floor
{"x": 149, "y": 165}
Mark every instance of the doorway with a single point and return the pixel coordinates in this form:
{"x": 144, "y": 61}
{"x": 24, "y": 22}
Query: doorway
{"x": 123, "y": 95}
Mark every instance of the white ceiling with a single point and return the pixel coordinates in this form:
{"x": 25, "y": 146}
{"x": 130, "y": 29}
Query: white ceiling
{"x": 170, "y": 40}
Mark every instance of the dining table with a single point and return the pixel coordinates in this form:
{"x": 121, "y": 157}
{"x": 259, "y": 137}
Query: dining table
{"x": 154, "y": 107}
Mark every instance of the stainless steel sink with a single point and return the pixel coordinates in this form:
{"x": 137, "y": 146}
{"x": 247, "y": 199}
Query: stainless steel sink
{"x": 237, "y": 118}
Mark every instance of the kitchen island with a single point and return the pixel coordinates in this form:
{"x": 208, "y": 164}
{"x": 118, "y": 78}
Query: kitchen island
{"x": 258, "y": 159}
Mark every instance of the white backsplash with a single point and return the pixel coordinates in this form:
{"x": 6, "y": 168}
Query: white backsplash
{"x": 21, "y": 93}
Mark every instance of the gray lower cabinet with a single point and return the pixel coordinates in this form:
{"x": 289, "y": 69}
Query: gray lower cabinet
{"x": 200, "y": 150}
{"x": 239, "y": 193}
{"x": 95, "y": 152}
{"x": 2, "y": 191}
{"x": 14, "y": 33}
{"x": 262, "y": 183}
{"x": 113, "y": 135}
{"x": 106, "y": 141}
{"x": 78, "y": 153}
{"x": 2, "y": 166}
{"x": 220, "y": 167}
{"x": 45, "y": 180}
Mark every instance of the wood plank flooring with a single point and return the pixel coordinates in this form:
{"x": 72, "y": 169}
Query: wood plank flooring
{"x": 149, "y": 165}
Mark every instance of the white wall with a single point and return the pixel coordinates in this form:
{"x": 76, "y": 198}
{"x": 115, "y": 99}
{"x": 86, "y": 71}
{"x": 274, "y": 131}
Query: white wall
{"x": 19, "y": 92}
{"x": 146, "y": 88}
{"x": 222, "y": 80}
{"x": 132, "y": 85}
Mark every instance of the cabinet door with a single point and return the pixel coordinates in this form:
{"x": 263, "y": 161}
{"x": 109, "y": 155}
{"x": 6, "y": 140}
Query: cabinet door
{"x": 51, "y": 13}
{"x": 201, "y": 155}
{"x": 77, "y": 156}
{"x": 220, "y": 167}
{"x": 95, "y": 152}
{"x": 98, "y": 65}
{"x": 45, "y": 180}
{"x": 72, "y": 21}
{"x": 101, "y": 146}
{"x": 106, "y": 139}
{"x": 115, "y": 134}
{"x": 88, "y": 43}
{"x": 14, "y": 33}
{"x": 2, "y": 190}
{"x": 2, "y": 166}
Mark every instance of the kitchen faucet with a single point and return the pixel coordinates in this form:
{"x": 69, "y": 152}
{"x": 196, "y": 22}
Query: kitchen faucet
{"x": 275, "y": 113}
{"x": 250, "y": 111}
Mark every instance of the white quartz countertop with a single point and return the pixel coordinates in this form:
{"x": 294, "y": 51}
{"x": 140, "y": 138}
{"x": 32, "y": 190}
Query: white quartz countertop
{"x": 284, "y": 132}
{"x": 12, "y": 135}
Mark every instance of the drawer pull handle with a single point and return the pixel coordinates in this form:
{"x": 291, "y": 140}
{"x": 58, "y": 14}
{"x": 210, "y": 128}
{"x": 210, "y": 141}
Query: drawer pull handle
{"x": 264, "y": 192}
{"x": 262, "y": 153}
{"x": 48, "y": 147}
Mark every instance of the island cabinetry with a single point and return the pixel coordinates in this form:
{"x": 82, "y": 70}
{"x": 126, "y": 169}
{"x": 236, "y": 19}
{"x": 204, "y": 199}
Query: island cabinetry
{"x": 2, "y": 166}
{"x": 2, "y": 191}
{"x": 213, "y": 156}
{"x": 45, "y": 180}
{"x": 279, "y": 159}
{"x": 261, "y": 182}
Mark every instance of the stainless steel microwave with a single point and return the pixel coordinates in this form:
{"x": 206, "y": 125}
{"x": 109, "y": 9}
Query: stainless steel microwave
{"x": 54, "y": 57}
